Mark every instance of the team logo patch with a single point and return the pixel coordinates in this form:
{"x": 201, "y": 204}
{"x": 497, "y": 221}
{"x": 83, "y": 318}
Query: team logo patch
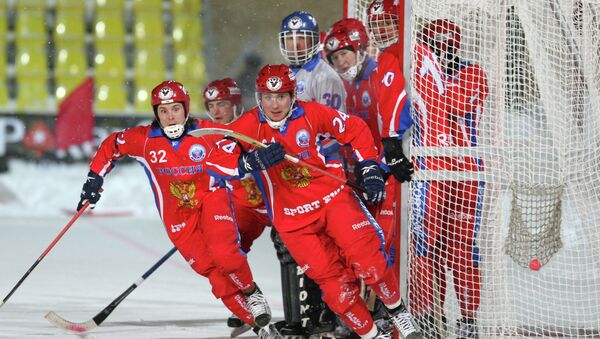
{"x": 254, "y": 196}
{"x": 295, "y": 23}
{"x": 377, "y": 8}
{"x": 300, "y": 87}
{"x": 197, "y": 152}
{"x": 165, "y": 93}
{"x": 302, "y": 138}
{"x": 185, "y": 192}
{"x": 354, "y": 36}
{"x": 274, "y": 83}
{"x": 332, "y": 44}
{"x": 298, "y": 177}
{"x": 366, "y": 99}
{"x": 211, "y": 93}
{"x": 234, "y": 90}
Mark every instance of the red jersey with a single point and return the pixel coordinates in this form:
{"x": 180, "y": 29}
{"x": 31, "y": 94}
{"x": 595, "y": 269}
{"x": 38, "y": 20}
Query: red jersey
{"x": 362, "y": 99}
{"x": 294, "y": 195}
{"x": 467, "y": 90}
{"x": 433, "y": 120}
{"x": 393, "y": 105}
{"x": 244, "y": 192}
{"x": 176, "y": 170}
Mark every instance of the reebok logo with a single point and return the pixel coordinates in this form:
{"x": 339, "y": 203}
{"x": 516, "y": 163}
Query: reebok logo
{"x": 223, "y": 217}
{"x": 368, "y": 169}
{"x": 360, "y": 225}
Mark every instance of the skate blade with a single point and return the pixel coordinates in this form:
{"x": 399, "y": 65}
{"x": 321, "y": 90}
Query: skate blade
{"x": 237, "y": 331}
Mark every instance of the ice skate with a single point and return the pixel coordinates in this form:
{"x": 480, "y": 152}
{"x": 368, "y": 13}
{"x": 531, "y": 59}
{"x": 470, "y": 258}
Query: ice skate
{"x": 259, "y": 307}
{"x": 402, "y": 321}
{"x": 269, "y": 331}
{"x": 383, "y": 334}
{"x": 237, "y": 326}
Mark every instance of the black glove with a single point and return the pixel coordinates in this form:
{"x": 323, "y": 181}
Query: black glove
{"x": 262, "y": 158}
{"x": 402, "y": 168}
{"x": 369, "y": 175}
{"x": 91, "y": 190}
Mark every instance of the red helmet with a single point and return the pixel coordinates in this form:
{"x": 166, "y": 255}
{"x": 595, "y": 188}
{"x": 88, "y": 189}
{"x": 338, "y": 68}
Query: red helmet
{"x": 170, "y": 91}
{"x": 352, "y": 24}
{"x": 383, "y": 21}
{"x": 440, "y": 34}
{"x": 276, "y": 79}
{"x": 346, "y": 39}
{"x": 344, "y": 36}
{"x": 223, "y": 89}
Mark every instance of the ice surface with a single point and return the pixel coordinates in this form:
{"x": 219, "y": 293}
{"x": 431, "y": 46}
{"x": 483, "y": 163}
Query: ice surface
{"x": 100, "y": 257}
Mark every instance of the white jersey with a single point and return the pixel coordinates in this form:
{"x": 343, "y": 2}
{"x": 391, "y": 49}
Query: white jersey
{"x": 318, "y": 81}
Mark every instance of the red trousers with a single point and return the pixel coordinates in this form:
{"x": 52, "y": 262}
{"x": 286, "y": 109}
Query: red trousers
{"x": 212, "y": 249}
{"x": 445, "y": 221}
{"x": 338, "y": 248}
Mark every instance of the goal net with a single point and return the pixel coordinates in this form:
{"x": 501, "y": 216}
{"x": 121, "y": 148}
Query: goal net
{"x": 504, "y": 207}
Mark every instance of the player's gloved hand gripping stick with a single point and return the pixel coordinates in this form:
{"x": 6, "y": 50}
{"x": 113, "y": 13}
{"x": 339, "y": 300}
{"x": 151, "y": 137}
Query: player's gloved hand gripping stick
{"x": 221, "y": 131}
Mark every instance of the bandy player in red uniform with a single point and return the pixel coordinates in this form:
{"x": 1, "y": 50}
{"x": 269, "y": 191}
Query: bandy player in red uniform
{"x": 345, "y": 48}
{"x": 393, "y": 106}
{"x": 319, "y": 220}
{"x": 453, "y": 91}
{"x": 196, "y": 215}
{"x": 223, "y": 100}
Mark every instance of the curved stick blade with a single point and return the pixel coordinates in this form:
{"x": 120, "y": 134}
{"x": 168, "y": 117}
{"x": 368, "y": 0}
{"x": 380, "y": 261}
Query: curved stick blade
{"x": 64, "y": 324}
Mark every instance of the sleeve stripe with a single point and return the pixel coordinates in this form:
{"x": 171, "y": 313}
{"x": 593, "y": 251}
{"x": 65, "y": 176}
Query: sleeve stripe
{"x": 392, "y": 126}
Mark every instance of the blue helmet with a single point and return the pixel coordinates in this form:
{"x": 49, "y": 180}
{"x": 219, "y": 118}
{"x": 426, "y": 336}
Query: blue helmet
{"x": 299, "y": 38}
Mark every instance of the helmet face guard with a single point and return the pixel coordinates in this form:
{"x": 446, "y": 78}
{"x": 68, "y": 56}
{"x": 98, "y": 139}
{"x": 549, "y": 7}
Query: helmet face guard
{"x": 443, "y": 37}
{"x": 275, "y": 79}
{"x": 168, "y": 92}
{"x": 382, "y": 22}
{"x": 299, "y": 38}
{"x": 224, "y": 89}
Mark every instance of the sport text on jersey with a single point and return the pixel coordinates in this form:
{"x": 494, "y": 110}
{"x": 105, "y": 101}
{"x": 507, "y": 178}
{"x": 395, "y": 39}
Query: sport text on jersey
{"x": 312, "y": 206}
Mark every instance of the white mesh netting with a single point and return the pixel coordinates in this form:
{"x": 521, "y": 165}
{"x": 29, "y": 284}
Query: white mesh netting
{"x": 508, "y": 183}
{"x": 504, "y": 208}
